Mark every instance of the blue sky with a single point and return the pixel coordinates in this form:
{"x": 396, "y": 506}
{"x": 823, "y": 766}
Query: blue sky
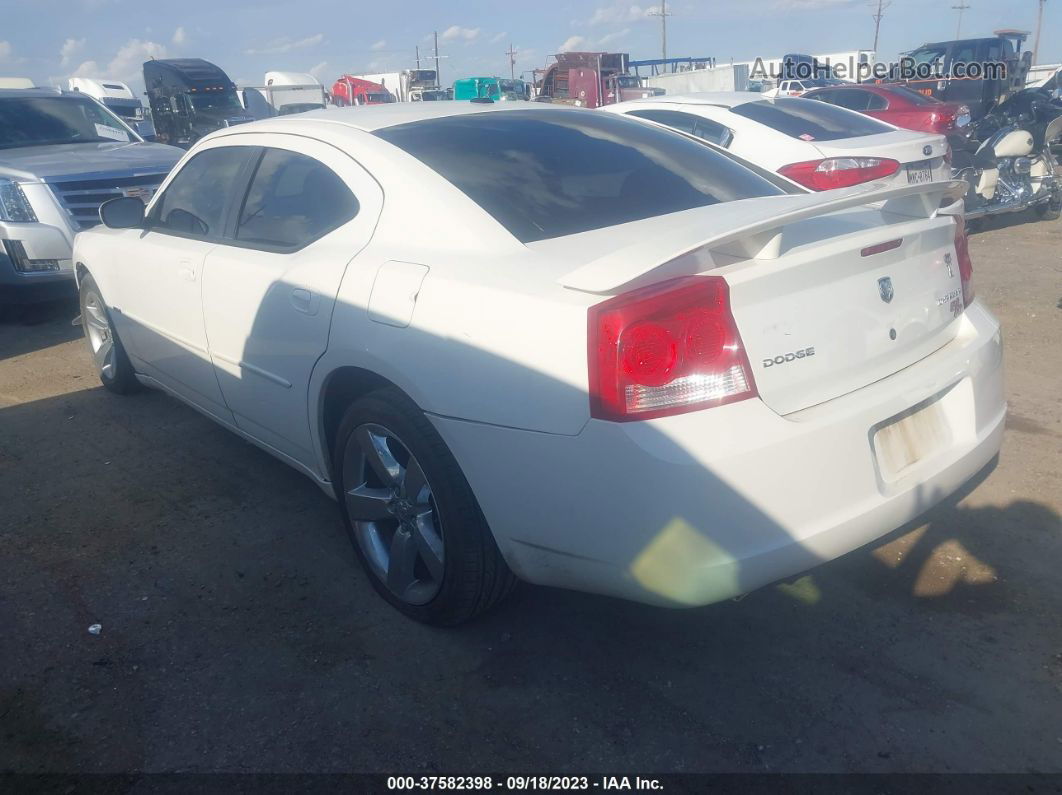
{"x": 48, "y": 40}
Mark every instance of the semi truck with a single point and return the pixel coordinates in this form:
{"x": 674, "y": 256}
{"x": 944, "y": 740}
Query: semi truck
{"x": 119, "y": 99}
{"x": 353, "y": 90}
{"x": 190, "y": 97}
{"x": 283, "y": 93}
{"x": 957, "y": 72}
{"x": 496, "y": 88}
{"x": 590, "y": 80}
{"x": 409, "y": 85}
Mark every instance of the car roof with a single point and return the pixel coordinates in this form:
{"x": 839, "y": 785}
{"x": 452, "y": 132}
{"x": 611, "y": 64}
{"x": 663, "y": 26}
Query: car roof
{"x": 377, "y": 117}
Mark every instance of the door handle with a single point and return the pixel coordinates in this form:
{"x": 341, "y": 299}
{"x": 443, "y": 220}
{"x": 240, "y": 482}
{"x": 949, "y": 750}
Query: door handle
{"x": 186, "y": 269}
{"x": 304, "y": 301}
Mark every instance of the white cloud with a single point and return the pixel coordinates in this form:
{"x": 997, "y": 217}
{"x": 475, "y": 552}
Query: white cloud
{"x": 378, "y": 45}
{"x": 70, "y": 48}
{"x": 5, "y": 50}
{"x": 126, "y": 64}
{"x": 572, "y": 43}
{"x": 618, "y": 13}
{"x": 809, "y": 5}
{"x": 497, "y": 37}
{"x": 319, "y": 70}
{"x": 457, "y": 33}
{"x": 179, "y": 36}
{"x": 614, "y": 36}
{"x": 286, "y": 45}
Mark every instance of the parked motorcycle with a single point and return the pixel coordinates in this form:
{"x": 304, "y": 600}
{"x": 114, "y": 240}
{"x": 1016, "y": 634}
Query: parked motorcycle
{"x": 1006, "y": 157}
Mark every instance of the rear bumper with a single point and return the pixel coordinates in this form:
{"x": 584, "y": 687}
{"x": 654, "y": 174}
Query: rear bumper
{"x": 692, "y": 509}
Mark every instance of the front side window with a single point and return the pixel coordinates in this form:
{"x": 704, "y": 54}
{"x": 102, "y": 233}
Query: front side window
{"x": 810, "y": 121}
{"x": 194, "y": 202}
{"x": 41, "y": 121}
{"x": 548, "y": 172}
{"x": 293, "y": 200}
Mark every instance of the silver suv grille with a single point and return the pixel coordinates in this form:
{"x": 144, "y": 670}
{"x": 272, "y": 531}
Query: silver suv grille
{"x": 82, "y": 197}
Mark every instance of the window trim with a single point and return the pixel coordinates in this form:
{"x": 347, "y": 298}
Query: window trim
{"x": 232, "y": 224}
{"x": 241, "y": 185}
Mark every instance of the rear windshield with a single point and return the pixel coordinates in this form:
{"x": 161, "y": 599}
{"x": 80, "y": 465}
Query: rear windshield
{"x": 546, "y": 173}
{"x": 809, "y": 120}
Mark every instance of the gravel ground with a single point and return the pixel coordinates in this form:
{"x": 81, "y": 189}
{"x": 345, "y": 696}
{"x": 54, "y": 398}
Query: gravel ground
{"x": 239, "y": 634}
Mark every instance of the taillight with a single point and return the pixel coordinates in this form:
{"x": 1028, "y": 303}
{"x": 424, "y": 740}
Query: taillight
{"x": 962, "y": 252}
{"x": 839, "y": 172}
{"x": 666, "y": 349}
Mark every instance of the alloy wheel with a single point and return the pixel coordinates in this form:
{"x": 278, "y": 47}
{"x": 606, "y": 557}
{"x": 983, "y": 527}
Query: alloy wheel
{"x": 393, "y": 513}
{"x": 98, "y": 331}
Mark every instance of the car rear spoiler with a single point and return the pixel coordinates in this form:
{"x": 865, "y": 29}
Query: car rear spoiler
{"x": 749, "y": 229}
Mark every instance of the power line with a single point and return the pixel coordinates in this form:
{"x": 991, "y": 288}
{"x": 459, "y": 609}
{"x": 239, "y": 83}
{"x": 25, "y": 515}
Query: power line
{"x": 512, "y": 60}
{"x": 960, "y": 8}
{"x": 882, "y": 5}
{"x": 663, "y": 13}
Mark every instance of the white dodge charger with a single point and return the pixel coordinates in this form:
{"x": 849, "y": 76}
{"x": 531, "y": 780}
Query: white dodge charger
{"x": 555, "y": 344}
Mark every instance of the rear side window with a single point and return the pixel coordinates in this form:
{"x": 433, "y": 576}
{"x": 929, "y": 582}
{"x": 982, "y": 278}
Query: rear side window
{"x": 293, "y": 200}
{"x": 913, "y": 96}
{"x": 194, "y": 203}
{"x": 810, "y": 121}
{"x": 545, "y": 173}
{"x": 688, "y": 123}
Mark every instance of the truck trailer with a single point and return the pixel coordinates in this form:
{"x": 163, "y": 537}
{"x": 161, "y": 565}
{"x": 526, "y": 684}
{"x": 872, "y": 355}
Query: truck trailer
{"x": 283, "y": 93}
{"x": 119, "y": 99}
{"x": 190, "y": 97}
{"x": 409, "y": 85}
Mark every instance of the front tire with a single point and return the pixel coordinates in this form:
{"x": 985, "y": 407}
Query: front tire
{"x": 412, "y": 517}
{"x": 108, "y": 354}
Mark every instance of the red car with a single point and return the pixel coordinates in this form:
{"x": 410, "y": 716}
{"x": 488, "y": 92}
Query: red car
{"x": 896, "y": 105}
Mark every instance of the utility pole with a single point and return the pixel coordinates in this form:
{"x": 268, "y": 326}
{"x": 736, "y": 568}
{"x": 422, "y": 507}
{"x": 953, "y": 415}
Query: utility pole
{"x": 1036, "y": 41}
{"x": 960, "y": 8}
{"x": 882, "y": 5}
{"x": 663, "y": 13}
{"x": 436, "y": 35}
{"x": 418, "y": 61}
{"x": 512, "y": 60}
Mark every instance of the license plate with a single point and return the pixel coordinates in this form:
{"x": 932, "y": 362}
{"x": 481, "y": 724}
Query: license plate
{"x": 912, "y": 438}
{"x": 918, "y": 173}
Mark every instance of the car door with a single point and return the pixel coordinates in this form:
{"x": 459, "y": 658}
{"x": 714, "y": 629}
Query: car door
{"x": 268, "y": 292}
{"x": 159, "y": 311}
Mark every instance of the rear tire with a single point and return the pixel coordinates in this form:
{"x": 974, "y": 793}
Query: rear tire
{"x": 108, "y": 354}
{"x": 1050, "y": 210}
{"x": 412, "y": 517}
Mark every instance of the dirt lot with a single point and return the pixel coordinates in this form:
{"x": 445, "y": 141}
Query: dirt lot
{"x": 240, "y": 635}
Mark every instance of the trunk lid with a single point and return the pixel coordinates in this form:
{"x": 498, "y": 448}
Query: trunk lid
{"x": 828, "y": 292}
{"x": 904, "y": 146}
{"x": 829, "y": 317}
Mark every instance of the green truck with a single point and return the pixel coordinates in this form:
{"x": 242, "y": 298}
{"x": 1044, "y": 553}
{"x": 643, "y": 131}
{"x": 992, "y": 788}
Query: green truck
{"x": 496, "y": 88}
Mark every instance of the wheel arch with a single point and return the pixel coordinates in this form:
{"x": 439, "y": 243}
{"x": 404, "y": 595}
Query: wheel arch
{"x": 341, "y": 387}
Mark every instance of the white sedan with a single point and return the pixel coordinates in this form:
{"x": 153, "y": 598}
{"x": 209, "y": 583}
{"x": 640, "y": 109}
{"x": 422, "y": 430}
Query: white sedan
{"x": 820, "y": 146}
{"x": 555, "y": 344}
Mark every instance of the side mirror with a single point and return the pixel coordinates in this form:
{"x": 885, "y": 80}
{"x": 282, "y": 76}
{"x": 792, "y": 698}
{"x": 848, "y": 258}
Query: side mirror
{"x": 125, "y": 212}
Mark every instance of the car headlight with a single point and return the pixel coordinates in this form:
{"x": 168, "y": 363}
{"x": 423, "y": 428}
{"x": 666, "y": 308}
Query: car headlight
{"x": 13, "y": 203}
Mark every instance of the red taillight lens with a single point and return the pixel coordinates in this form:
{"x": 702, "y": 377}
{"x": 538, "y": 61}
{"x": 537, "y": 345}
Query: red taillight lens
{"x": 962, "y": 252}
{"x": 839, "y": 172}
{"x": 666, "y": 349}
